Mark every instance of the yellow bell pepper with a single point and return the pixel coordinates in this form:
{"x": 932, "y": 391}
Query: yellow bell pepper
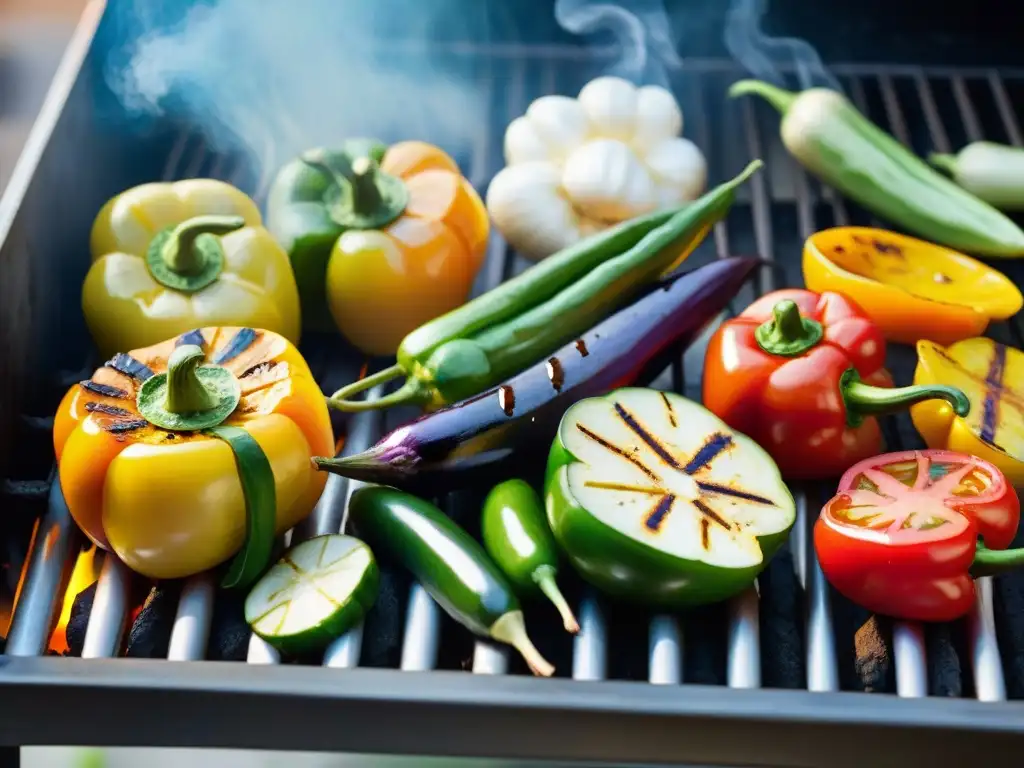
{"x": 910, "y": 288}
{"x": 175, "y": 472}
{"x": 168, "y": 257}
{"x": 987, "y": 372}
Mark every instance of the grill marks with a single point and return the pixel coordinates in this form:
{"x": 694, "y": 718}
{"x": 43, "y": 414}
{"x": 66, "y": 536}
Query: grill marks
{"x": 715, "y": 445}
{"x": 739, "y": 493}
{"x": 238, "y": 344}
{"x": 104, "y": 390}
{"x": 659, "y": 513}
{"x": 993, "y": 388}
{"x": 192, "y": 337}
{"x": 997, "y": 392}
{"x": 620, "y": 451}
{"x": 109, "y": 410}
{"x": 652, "y": 442}
{"x": 130, "y": 367}
{"x": 670, "y": 411}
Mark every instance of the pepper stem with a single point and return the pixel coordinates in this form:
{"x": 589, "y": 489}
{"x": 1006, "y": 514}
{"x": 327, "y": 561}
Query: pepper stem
{"x": 410, "y": 392}
{"x": 185, "y": 392}
{"x": 779, "y": 98}
{"x": 863, "y": 399}
{"x": 510, "y": 628}
{"x": 788, "y": 333}
{"x": 180, "y": 251}
{"x": 943, "y": 162}
{"x": 366, "y": 195}
{"x": 993, "y": 562}
{"x": 363, "y": 196}
{"x": 545, "y": 578}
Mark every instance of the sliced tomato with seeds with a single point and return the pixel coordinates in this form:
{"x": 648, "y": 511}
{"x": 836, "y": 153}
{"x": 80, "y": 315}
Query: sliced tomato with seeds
{"x": 900, "y": 536}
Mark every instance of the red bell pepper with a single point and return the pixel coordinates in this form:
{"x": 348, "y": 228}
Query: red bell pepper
{"x": 801, "y": 374}
{"x": 900, "y": 537}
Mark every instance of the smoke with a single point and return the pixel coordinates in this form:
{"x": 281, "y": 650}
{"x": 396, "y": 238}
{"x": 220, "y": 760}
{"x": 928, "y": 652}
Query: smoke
{"x": 647, "y": 51}
{"x": 642, "y": 33}
{"x": 768, "y": 58}
{"x": 275, "y": 78}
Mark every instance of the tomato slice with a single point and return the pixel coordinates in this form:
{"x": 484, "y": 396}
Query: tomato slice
{"x": 915, "y": 497}
{"x": 900, "y": 535}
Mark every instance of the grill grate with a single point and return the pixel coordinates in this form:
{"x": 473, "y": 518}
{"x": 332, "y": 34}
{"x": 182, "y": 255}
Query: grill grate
{"x": 796, "y": 633}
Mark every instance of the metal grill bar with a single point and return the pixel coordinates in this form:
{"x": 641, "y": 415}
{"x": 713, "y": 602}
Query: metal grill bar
{"x": 589, "y": 658}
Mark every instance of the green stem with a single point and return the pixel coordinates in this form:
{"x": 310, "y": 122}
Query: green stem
{"x": 544, "y": 576}
{"x": 189, "y": 397}
{"x": 993, "y": 562}
{"x": 779, "y": 98}
{"x": 363, "y": 196}
{"x": 182, "y": 254}
{"x": 788, "y": 333}
{"x": 366, "y": 196}
{"x": 863, "y": 399}
{"x": 943, "y": 162}
{"x": 185, "y": 392}
{"x": 409, "y": 393}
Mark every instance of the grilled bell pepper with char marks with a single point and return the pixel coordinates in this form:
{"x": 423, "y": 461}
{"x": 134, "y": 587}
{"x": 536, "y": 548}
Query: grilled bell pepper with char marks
{"x": 802, "y": 374}
{"x": 656, "y": 501}
{"x": 175, "y": 455}
{"x": 381, "y": 238}
{"x": 523, "y": 320}
{"x": 988, "y": 373}
{"x": 900, "y": 537}
{"x": 170, "y": 257}
{"x": 911, "y": 289}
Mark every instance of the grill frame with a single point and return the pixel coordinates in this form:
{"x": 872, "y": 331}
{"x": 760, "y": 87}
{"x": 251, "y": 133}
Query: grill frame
{"x": 490, "y": 713}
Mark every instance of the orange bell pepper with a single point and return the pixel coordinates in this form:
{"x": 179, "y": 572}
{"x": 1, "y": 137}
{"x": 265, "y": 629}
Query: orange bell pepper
{"x": 911, "y": 289}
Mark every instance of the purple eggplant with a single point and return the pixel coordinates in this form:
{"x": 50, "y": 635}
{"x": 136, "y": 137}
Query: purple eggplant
{"x": 472, "y": 441}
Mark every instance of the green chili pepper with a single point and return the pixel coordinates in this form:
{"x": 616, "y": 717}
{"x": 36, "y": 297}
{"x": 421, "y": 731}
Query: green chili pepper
{"x": 655, "y": 500}
{"x": 993, "y": 172}
{"x": 835, "y": 142}
{"x": 448, "y": 562}
{"x": 517, "y": 537}
{"x": 513, "y": 326}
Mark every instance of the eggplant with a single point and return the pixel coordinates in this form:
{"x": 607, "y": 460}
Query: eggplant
{"x": 471, "y": 442}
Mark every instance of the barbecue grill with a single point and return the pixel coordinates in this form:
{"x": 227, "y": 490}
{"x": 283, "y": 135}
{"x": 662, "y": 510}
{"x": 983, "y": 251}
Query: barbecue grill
{"x": 787, "y": 674}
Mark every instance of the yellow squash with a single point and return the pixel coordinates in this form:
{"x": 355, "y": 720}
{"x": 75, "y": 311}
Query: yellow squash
{"x": 154, "y": 467}
{"x": 989, "y": 374}
{"x": 168, "y": 257}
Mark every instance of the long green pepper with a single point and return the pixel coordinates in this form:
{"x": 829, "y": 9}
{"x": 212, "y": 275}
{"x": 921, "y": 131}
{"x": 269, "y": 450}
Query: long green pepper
{"x": 513, "y": 326}
{"x": 839, "y": 145}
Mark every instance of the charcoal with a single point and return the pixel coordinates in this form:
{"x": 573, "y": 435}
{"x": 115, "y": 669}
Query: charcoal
{"x": 782, "y": 635}
{"x": 944, "y": 678}
{"x": 78, "y": 620}
{"x": 706, "y": 642}
{"x": 229, "y": 634}
{"x": 382, "y": 631}
{"x": 1008, "y": 603}
{"x": 873, "y": 656}
{"x": 150, "y": 633}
